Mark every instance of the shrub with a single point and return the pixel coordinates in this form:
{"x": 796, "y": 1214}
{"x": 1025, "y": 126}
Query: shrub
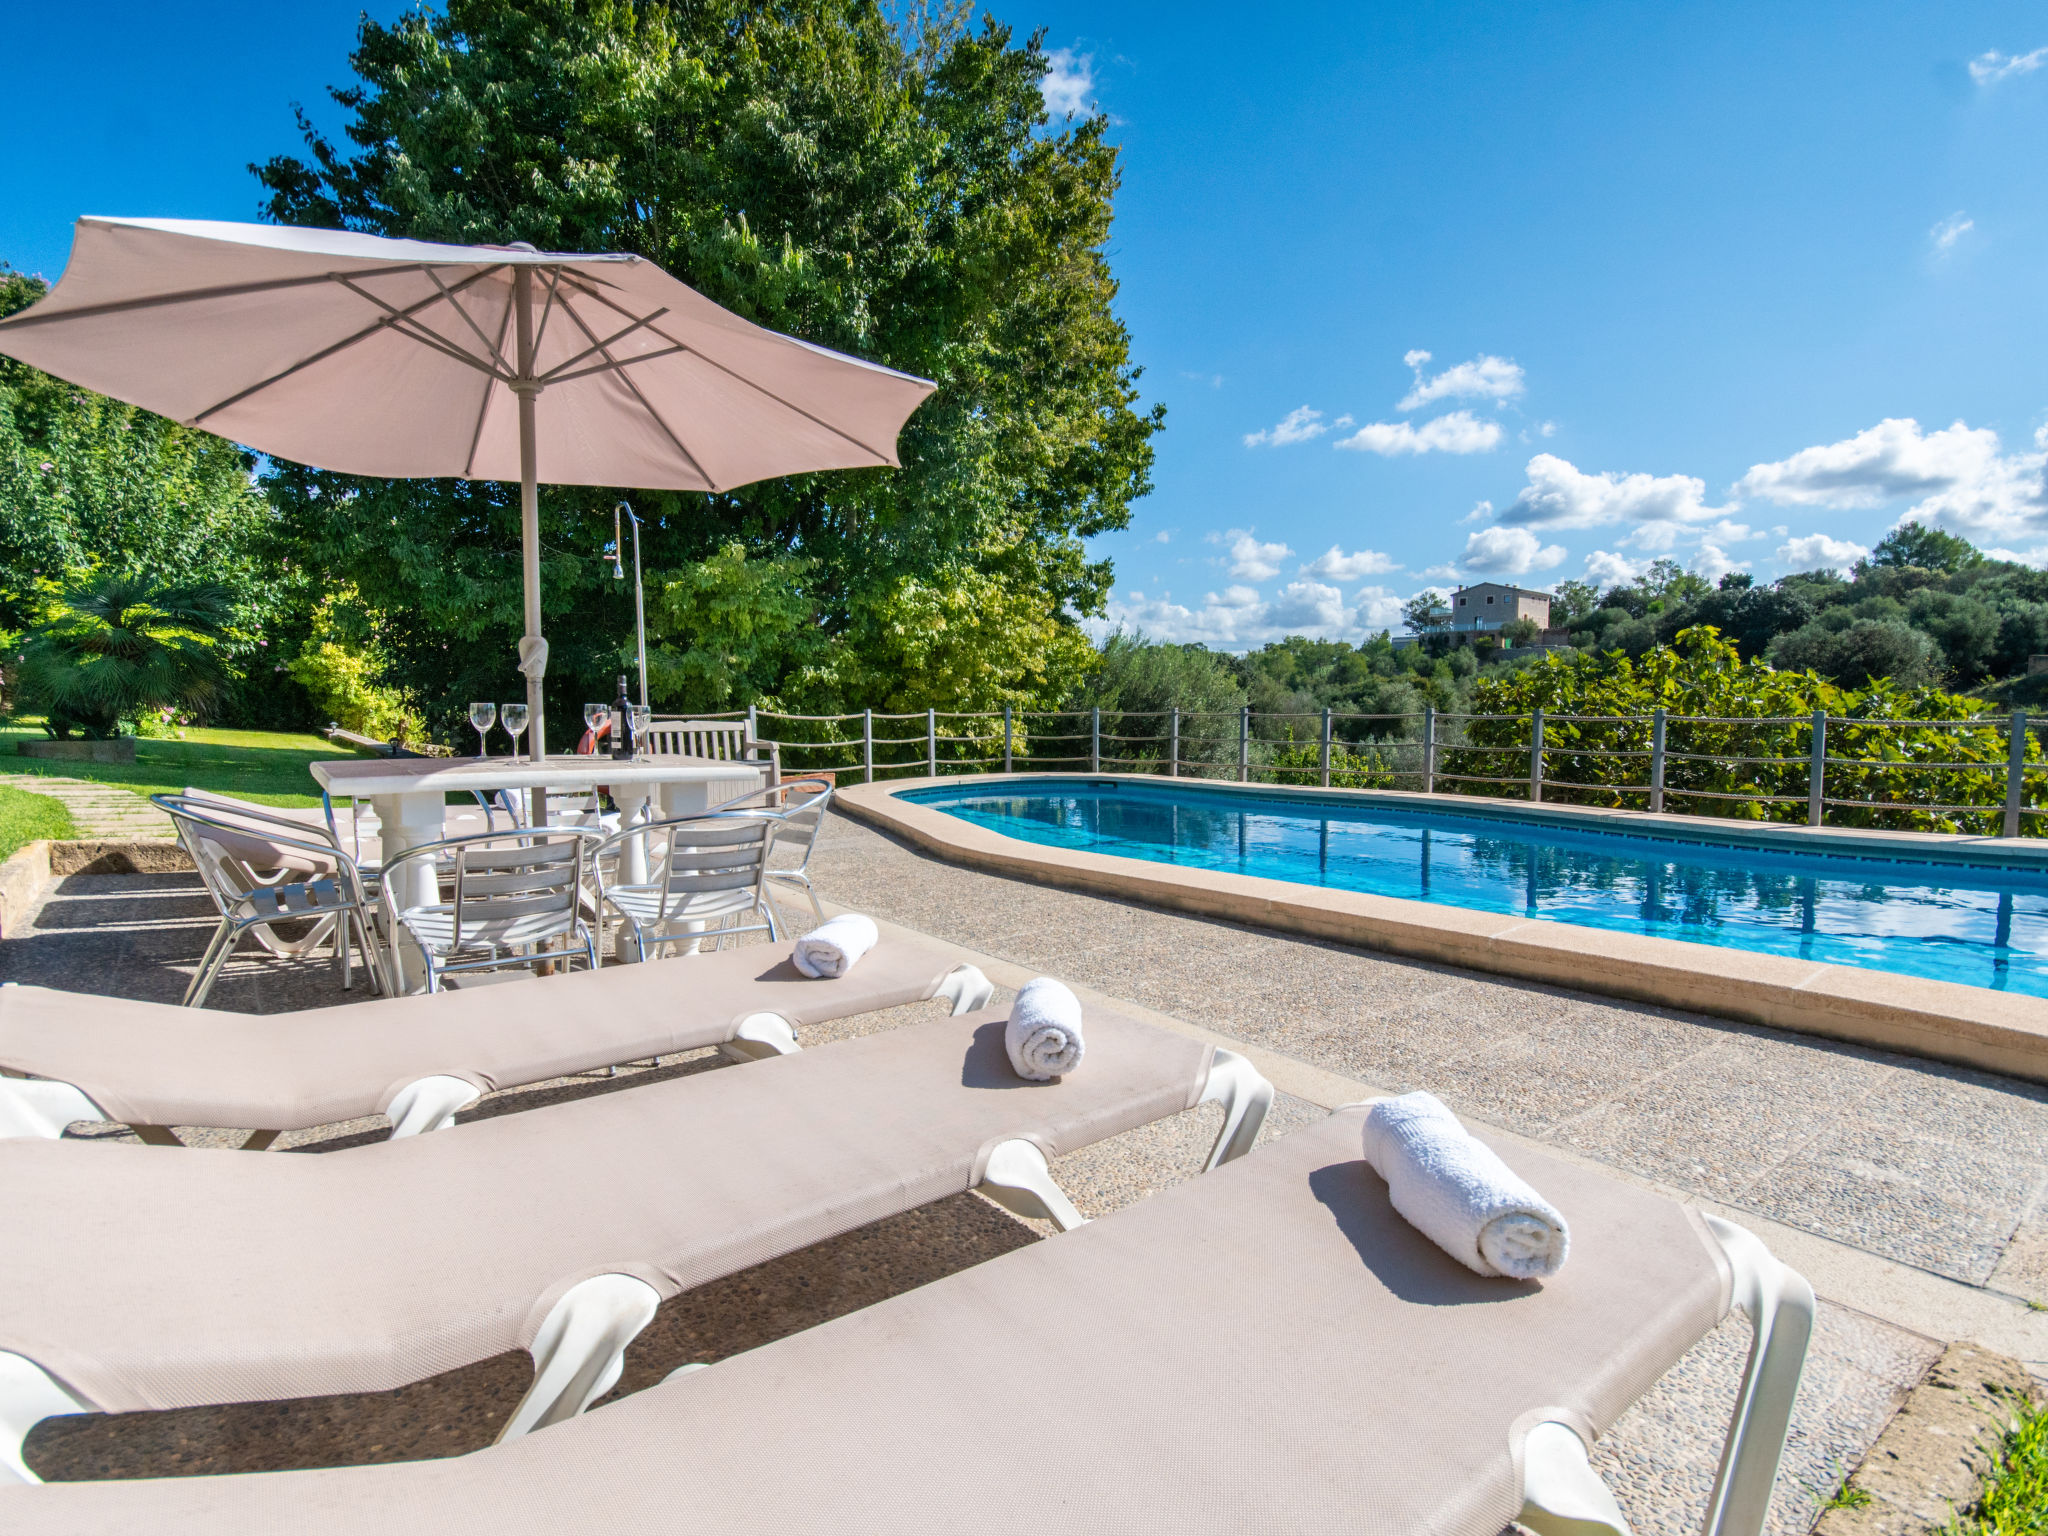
{"x": 109, "y": 647}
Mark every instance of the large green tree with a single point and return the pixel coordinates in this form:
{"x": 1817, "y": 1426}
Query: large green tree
{"x": 91, "y": 489}
{"x": 888, "y": 188}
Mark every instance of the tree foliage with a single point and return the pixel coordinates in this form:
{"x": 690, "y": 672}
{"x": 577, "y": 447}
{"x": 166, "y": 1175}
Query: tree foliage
{"x": 892, "y": 191}
{"x": 87, "y": 483}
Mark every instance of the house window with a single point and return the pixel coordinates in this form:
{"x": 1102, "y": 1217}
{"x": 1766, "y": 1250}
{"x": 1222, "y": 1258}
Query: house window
{"x": 1461, "y": 602}
{"x": 1489, "y": 597}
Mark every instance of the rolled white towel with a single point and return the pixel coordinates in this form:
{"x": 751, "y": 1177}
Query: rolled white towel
{"x": 1457, "y": 1192}
{"x": 1043, "y": 1036}
{"x": 835, "y": 946}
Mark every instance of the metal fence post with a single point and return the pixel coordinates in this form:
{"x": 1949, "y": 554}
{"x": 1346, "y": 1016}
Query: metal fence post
{"x": 753, "y": 723}
{"x": 2015, "y": 773}
{"x": 1657, "y": 760}
{"x": 1536, "y": 754}
{"x": 1095, "y": 739}
{"x": 1244, "y": 744}
{"x": 1173, "y": 746}
{"x": 1008, "y": 739}
{"x": 931, "y": 742}
{"x": 867, "y": 745}
{"x": 1429, "y": 749}
{"x": 1817, "y": 770}
{"x": 1326, "y": 749}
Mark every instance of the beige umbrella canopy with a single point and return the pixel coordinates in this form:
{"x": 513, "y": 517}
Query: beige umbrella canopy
{"x": 403, "y": 358}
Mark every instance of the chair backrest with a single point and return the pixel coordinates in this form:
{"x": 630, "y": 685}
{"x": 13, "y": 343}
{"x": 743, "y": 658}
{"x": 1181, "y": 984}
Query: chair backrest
{"x": 724, "y": 741}
{"x": 705, "y": 855}
{"x": 799, "y": 806}
{"x": 512, "y": 891}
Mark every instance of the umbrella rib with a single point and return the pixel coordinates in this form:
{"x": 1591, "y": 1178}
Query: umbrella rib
{"x": 555, "y": 374}
{"x": 614, "y": 367}
{"x": 554, "y": 277}
{"x": 645, "y": 404}
{"x": 31, "y": 317}
{"x": 325, "y": 352}
{"x": 483, "y": 408}
{"x": 455, "y": 304}
{"x": 404, "y": 320}
{"x": 788, "y": 405}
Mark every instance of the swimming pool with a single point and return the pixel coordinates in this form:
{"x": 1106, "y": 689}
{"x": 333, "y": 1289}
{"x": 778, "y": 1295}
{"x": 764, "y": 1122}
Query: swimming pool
{"x": 1978, "y": 923}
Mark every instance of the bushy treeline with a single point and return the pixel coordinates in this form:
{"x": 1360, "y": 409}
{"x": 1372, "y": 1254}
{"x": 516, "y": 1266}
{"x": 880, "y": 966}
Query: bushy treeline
{"x": 1925, "y": 608}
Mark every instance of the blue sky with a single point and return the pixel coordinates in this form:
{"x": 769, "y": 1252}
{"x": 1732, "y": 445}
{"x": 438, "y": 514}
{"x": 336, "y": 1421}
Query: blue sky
{"x": 1743, "y": 284}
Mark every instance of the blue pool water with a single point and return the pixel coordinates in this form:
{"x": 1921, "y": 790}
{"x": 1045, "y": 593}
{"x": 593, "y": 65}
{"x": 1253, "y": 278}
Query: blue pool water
{"x": 1982, "y": 924}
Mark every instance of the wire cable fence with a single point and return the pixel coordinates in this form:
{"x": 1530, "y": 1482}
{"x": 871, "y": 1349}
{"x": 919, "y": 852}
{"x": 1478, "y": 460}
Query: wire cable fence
{"x": 1984, "y": 775}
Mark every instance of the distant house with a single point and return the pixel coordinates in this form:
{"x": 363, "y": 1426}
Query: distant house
{"x": 1491, "y": 605}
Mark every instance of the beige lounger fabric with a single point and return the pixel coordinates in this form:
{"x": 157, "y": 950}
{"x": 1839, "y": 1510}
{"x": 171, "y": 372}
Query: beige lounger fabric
{"x": 153, "y": 1280}
{"x": 1266, "y": 1348}
{"x": 155, "y": 1064}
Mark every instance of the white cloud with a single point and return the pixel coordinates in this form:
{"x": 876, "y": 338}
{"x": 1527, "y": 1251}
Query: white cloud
{"x": 1959, "y": 475}
{"x": 1310, "y": 607}
{"x": 1338, "y": 566}
{"x": 1560, "y": 495}
{"x": 1949, "y": 231}
{"x": 1510, "y": 552}
{"x": 1990, "y": 67}
{"x": 1379, "y": 608}
{"x": 1712, "y": 563}
{"x": 1457, "y": 432}
{"x": 1482, "y": 378}
{"x": 1251, "y": 560}
{"x": 1239, "y": 617}
{"x": 1162, "y": 537}
{"x": 1297, "y": 426}
{"x": 1481, "y": 511}
{"x": 1730, "y": 532}
{"x": 1069, "y": 83}
{"x": 1657, "y": 538}
{"x": 1606, "y": 569}
{"x": 1816, "y": 551}
{"x": 1445, "y": 572}
{"x": 2036, "y": 557}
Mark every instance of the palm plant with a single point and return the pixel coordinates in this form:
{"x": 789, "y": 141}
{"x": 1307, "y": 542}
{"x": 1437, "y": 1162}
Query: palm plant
{"x": 110, "y": 647}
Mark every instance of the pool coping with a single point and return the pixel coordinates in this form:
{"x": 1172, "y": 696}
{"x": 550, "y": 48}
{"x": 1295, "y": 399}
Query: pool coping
{"x": 1948, "y": 1021}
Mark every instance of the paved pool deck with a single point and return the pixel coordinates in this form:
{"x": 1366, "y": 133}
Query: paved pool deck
{"x": 1910, "y": 1192}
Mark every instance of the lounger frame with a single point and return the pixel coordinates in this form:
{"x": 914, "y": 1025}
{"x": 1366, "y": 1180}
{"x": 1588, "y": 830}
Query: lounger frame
{"x": 1563, "y": 1496}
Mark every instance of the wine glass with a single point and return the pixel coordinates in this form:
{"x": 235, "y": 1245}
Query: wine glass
{"x": 642, "y": 717}
{"x": 595, "y": 715}
{"x": 514, "y": 718}
{"x": 483, "y": 717}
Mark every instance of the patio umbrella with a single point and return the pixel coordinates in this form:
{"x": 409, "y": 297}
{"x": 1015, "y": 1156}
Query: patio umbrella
{"x": 403, "y": 358}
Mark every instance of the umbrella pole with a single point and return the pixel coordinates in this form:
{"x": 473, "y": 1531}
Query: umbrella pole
{"x": 529, "y": 516}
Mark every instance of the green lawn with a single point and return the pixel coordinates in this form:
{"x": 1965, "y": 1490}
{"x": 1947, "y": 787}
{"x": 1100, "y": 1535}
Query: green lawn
{"x": 266, "y": 766}
{"x": 25, "y": 817}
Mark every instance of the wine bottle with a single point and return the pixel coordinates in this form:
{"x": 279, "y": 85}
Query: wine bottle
{"x": 622, "y": 722}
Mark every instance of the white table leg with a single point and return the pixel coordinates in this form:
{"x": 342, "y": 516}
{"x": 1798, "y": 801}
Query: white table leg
{"x": 408, "y": 821}
{"x": 632, "y": 801}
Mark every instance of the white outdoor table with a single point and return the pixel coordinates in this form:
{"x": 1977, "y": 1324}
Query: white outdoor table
{"x": 410, "y": 796}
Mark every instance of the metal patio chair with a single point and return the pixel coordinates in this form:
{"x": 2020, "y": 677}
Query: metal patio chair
{"x": 261, "y": 868}
{"x": 705, "y": 869}
{"x": 503, "y": 899}
{"x": 799, "y": 806}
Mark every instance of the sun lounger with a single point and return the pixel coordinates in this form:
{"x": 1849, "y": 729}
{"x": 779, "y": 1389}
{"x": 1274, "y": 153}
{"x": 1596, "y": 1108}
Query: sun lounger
{"x": 421, "y": 1059}
{"x": 1267, "y": 1348}
{"x": 131, "y": 1279}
